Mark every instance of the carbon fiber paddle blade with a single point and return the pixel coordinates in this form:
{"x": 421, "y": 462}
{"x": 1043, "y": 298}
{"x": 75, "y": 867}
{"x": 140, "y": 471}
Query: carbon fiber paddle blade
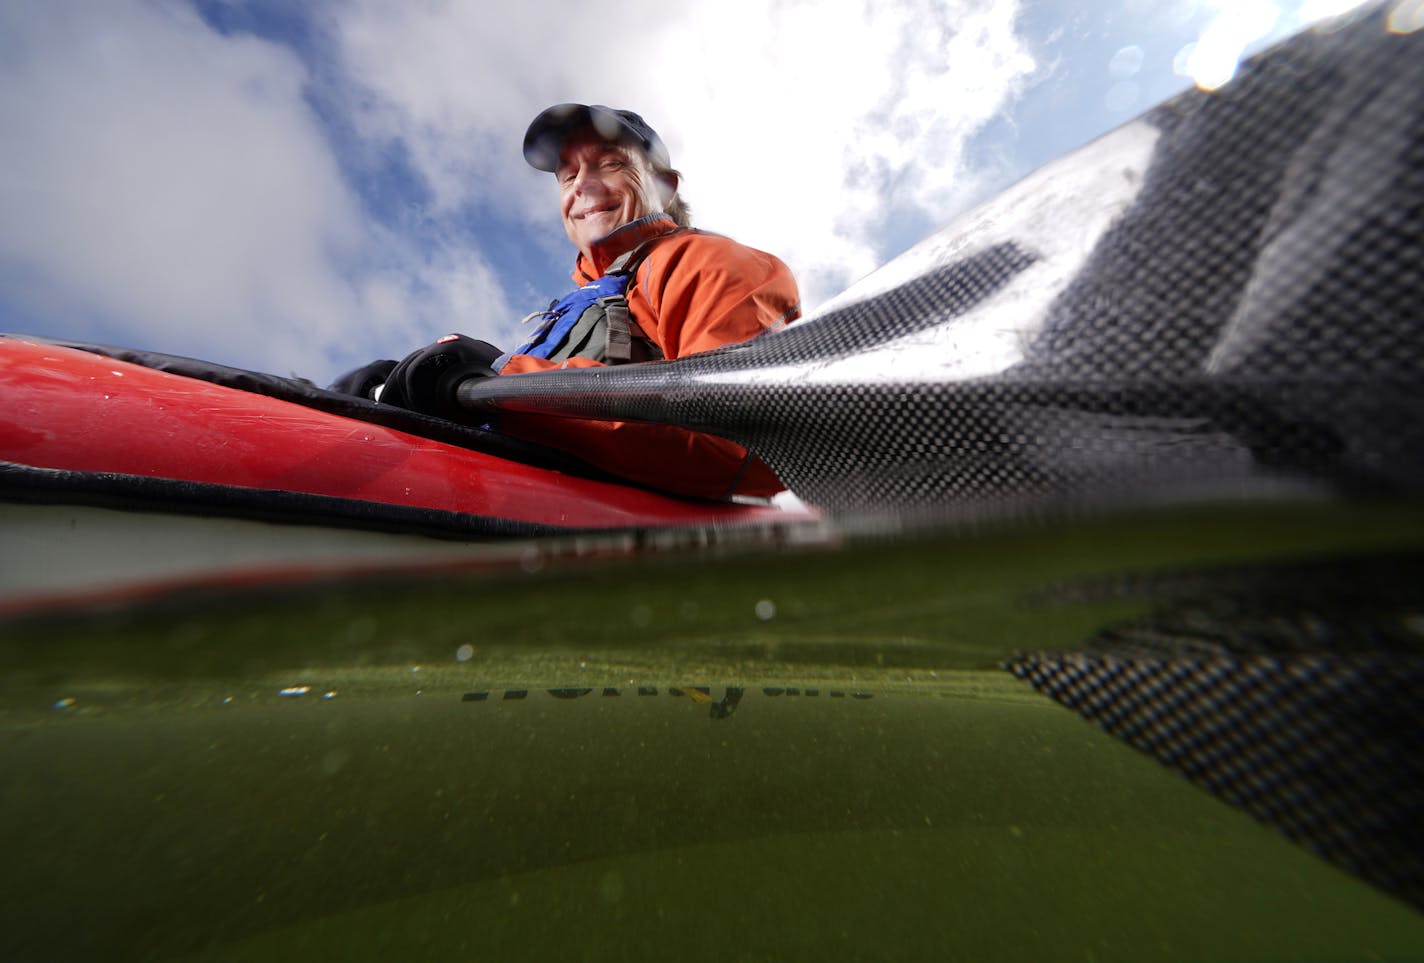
{"x": 1296, "y": 695}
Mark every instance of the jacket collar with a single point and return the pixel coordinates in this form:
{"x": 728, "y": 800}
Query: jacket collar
{"x": 608, "y": 249}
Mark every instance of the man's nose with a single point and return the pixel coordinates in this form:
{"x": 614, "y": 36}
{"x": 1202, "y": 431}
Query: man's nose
{"x": 587, "y": 180}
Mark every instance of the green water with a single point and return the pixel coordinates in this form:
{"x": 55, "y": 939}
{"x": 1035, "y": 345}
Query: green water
{"x": 725, "y": 755}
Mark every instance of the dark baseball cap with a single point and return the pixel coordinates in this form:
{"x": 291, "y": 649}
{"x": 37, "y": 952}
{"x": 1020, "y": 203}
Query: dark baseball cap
{"x": 546, "y": 136}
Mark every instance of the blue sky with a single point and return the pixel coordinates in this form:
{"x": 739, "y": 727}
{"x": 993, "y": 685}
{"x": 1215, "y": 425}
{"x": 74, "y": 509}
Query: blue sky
{"x": 300, "y": 188}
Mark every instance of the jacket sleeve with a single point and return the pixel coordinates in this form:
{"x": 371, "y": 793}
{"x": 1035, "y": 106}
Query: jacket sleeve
{"x": 702, "y": 295}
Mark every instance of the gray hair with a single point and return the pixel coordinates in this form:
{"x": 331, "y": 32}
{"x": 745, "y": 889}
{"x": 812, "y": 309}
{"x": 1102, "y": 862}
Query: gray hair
{"x": 676, "y": 208}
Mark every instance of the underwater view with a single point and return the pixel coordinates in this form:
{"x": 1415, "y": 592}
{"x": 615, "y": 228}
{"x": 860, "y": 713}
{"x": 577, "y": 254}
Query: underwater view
{"x": 785, "y": 746}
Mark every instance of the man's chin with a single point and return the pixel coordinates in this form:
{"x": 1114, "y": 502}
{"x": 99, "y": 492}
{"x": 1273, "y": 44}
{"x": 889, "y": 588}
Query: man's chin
{"x": 603, "y": 225}
{"x": 591, "y": 230}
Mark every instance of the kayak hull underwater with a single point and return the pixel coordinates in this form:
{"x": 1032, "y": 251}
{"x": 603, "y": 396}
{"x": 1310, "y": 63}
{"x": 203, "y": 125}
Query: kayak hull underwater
{"x": 119, "y": 479}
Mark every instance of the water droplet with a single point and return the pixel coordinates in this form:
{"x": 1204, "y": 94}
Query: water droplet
{"x": 1126, "y": 62}
{"x": 1122, "y": 97}
{"x": 1407, "y": 16}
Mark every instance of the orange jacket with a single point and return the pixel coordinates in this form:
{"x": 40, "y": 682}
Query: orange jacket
{"x": 693, "y": 292}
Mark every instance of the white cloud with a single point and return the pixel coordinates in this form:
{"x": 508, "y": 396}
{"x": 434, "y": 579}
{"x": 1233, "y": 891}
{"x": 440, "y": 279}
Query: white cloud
{"x": 800, "y": 126}
{"x": 841, "y": 123}
{"x": 171, "y": 187}
{"x": 171, "y": 184}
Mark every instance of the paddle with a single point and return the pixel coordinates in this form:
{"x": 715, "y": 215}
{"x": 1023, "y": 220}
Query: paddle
{"x": 1221, "y": 297}
{"x": 1223, "y": 293}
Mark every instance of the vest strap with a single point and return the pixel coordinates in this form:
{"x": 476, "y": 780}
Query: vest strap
{"x": 594, "y": 321}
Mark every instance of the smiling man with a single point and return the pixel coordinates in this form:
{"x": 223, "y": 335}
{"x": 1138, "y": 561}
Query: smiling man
{"x": 649, "y": 287}
{"x": 687, "y": 290}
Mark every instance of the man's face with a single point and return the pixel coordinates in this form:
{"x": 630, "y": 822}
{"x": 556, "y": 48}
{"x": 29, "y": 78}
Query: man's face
{"x": 602, "y": 186}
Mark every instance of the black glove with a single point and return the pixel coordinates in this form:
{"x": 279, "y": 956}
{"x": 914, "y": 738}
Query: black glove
{"x": 426, "y": 380}
{"x": 363, "y": 381}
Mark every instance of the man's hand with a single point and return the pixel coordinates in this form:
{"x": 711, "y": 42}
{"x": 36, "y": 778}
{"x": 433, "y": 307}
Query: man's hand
{"x": 426, "y": 380}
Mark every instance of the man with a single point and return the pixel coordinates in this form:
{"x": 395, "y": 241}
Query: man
{"x": 650, "y": 287}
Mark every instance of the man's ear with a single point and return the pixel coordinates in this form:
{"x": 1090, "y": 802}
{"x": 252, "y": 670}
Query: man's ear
{"x": 667, "y": 186}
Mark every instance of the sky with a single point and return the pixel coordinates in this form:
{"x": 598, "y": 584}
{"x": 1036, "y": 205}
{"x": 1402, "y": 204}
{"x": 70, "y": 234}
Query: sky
{"x": 302, "y": 188}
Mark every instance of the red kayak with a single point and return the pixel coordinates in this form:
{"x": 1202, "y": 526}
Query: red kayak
{"x": 117, "y": 477}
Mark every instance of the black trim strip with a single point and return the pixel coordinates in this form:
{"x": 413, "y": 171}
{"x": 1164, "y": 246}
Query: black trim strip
{"x": 51, "y": 486}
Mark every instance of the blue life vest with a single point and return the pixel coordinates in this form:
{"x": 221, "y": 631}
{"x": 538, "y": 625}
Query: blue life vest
{"x": 594, "y": 321}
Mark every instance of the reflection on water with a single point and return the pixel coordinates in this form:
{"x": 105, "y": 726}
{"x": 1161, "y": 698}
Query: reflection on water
{"x": 635, "y": 759}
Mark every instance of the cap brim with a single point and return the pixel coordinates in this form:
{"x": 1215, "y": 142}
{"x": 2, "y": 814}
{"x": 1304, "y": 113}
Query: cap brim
{"x": 547, "y": 134}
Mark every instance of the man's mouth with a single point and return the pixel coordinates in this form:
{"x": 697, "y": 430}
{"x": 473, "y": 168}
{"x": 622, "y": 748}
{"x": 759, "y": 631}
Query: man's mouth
{"x": 595, "y": 210}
